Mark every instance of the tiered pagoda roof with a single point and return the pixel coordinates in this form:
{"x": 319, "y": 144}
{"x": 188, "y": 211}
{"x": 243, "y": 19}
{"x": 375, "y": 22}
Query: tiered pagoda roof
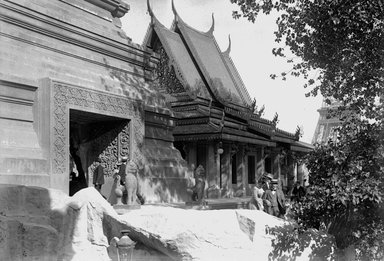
{"x": 213, "y": 102}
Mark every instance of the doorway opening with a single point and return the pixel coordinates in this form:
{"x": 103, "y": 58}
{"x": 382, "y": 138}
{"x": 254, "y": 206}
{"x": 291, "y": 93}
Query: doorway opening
{"x": 95, "y": 136}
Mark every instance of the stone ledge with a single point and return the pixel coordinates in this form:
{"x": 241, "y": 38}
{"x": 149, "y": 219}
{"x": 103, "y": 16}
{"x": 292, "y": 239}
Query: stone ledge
{"x": 117, "y": 8}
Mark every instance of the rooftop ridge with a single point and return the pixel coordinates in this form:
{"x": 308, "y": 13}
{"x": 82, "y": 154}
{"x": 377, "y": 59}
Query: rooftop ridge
{"x": 238, "y": 88}
{"x": 238, "y": 76}
{"x": 285, "y": 132}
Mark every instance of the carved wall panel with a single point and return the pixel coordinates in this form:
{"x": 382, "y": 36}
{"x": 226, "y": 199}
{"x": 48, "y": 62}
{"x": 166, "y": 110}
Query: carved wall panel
{"x": 106, "y": 147}
{"x": 66, "y": 96}
{"x": 166, "y": 77}
{"x": 123, "y": 143}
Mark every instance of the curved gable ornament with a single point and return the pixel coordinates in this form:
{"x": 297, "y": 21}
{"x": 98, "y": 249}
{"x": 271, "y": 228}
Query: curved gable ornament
{"x": 226, "y": 52}
{"x": 210, "y": 31}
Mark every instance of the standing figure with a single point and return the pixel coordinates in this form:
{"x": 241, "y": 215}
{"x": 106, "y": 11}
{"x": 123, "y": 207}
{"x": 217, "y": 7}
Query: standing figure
{"x": 274, "y": 201}
{"x": 122, "y": 170}
{"x": 98, "y": 175}
{"x": 256, "y": 202}
{"x": 198, "y": 189}
{"x": 267, "y": 182}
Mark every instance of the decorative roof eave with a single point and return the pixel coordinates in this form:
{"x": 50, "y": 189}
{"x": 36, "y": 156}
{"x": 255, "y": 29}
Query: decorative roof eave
{"x": 239, "y": 114}
{"x": 262, "y": 130}
{"x": 257, "y": 118}
{"x": 200, "y": 137}
{"x": 223, "y": 137}
{"x": 192, "y": 121}
{"x": 282, "y": 139}
{"x": 285, "y": 134}
{"x": 300, "y": 146}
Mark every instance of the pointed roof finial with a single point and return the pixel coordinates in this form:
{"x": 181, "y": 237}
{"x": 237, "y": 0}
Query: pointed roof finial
{"x": 152, "y": 14}
{"x": 149, "y": 9}
{"x": 210, "y": 31}
{"x": 174, "y": 10}
{"x": 226, "y": 52}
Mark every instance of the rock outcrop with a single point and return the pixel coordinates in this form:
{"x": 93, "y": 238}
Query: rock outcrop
{"x": 45, "y": 224}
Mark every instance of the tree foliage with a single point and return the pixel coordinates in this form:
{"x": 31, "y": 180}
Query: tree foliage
{"x": 341, "y": 40}
{"x": 340, "y": 50}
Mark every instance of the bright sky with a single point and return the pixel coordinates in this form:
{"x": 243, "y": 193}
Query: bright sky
{"x": 251, "y": 52}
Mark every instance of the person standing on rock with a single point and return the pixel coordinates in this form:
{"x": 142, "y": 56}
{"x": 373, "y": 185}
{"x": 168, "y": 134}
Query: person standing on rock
{"x": 274, "y": 200}
{"x": 98, "y": 175}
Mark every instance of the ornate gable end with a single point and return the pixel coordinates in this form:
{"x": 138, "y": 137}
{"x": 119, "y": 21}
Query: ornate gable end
{"x": 165, "y": 78}
{"x": 176, "y": 62}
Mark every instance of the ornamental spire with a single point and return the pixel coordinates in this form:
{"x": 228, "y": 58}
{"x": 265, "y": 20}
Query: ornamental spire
{"x": 226, "y": 52}
{"x": 210, "y": 31}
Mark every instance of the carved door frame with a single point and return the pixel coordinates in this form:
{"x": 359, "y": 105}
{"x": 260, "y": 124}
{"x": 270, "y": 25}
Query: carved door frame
{"x": 63, "y": 97}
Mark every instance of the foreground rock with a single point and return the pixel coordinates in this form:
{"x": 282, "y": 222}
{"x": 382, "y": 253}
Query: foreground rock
{"x": 41, "y": 224}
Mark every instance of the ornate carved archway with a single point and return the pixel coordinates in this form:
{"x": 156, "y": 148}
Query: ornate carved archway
{"x": 63, "y": 97}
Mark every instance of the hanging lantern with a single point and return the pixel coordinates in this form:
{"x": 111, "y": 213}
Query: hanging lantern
{"x": 124, "y": 246}
{"x": 220, "y": 148}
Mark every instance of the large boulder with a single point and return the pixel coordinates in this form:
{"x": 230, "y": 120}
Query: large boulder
{"x": 230, "y": 234}
{"x": 46, "y": 224}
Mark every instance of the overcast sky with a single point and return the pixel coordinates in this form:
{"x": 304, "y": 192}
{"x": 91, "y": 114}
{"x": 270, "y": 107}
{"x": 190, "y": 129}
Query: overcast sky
{"x": 251, "y": 52}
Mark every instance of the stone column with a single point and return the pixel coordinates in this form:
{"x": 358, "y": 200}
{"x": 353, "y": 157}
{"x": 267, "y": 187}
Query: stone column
{"x": 192, "y": 154}
{"x": 225, "y": 169}
{"x": 211, "y": 170}
{"x": 259, "y": 163}
{"x": 241, "y": 173}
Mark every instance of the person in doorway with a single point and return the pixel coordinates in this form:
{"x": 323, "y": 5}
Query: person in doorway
{"x": 98, "y": 175}
{"x": 122, "y": 168}
{"x": 73, "y": 176}
{"x": 274, "y": 200}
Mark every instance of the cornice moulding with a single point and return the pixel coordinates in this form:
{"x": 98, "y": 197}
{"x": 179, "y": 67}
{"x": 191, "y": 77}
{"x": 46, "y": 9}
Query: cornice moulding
{"x": 117, "y": 8}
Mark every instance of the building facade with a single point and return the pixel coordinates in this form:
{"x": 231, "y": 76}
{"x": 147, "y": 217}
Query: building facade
{"x": 74, "y": 88}
{"x": 73, "y": 84}
{"x": 216, "y": 125}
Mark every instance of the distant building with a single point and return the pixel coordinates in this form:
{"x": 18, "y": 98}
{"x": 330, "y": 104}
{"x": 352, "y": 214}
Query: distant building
{"x": 327, "y": 124}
